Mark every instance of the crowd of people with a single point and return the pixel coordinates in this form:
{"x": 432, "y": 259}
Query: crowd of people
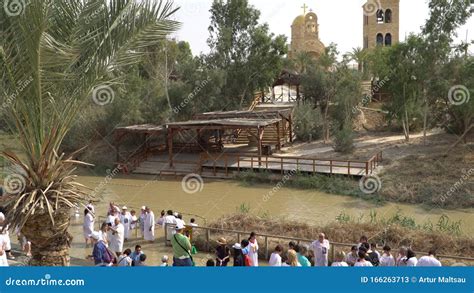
{"x": 108, "y": 245}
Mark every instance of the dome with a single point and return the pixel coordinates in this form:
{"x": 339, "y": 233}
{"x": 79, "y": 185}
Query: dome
{"x": 300, "y": 20}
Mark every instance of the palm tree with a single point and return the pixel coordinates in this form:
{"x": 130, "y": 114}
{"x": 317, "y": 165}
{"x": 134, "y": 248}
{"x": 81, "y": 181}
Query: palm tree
{"x": 358, "y": 55}
{"x": 68, "y": 51}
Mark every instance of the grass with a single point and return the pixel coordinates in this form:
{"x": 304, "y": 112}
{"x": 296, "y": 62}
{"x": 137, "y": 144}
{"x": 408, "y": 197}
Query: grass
{"x": 338, "y": 185}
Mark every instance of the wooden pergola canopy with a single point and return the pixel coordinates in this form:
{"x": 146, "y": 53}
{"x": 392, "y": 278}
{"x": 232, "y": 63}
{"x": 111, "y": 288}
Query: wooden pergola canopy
{"x": 288, "y": 77}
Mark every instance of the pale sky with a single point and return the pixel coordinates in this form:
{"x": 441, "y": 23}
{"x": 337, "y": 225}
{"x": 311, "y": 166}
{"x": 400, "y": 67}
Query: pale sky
{"x": 340, "y": 21}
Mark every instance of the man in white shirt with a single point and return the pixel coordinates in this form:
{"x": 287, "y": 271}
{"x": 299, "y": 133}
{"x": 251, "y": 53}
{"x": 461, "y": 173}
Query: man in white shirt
{"x": 149, "y": 227}
{"x": 168, "y": 221}
{"x": 320, "y": 249}
{"x": 126, "y": 220}
{"x": 429, "y": 260}
{"x": 117, "y": 237}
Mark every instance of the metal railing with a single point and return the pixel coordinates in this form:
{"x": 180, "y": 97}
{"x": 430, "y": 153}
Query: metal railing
{"x": 335, "y": 246}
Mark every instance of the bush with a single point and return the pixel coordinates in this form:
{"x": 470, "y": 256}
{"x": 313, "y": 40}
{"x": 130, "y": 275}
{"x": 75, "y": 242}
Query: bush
{"x": 344, "y": 140}
{"x": 308, "y": 123}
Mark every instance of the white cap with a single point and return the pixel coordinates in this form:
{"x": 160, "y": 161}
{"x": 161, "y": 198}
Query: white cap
{"x": 164, "y": 258}
{"x": 175, "y": 214}
{"x": 237, "y": 246}
{"x": 143, "y": 207}
{"x": 124, "y": 207}
{"x": 2, "y": 217}
{"x": 179, "y": 226}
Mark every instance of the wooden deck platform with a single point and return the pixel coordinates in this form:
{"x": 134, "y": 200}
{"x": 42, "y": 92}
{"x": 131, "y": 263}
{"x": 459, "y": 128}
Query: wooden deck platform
{"x": 228, "y": 164}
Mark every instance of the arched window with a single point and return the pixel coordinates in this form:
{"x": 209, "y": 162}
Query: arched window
{"x": 380, "y": 16}
{"x": 388, "y": 39}
{"x": 388, "y": 16}
{"x": 379, "y": 39}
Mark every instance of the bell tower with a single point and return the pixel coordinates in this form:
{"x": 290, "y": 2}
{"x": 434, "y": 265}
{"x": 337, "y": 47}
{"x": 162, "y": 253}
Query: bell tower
{"x": 381, "y": 23}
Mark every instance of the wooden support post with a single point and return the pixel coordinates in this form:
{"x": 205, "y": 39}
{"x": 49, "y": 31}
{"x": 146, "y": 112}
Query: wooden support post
{"x": 290, "y": 130}
{"x": 314, "y": 166}
{"x": 366, "y": 168}
{"x": 330, "y": 167}
{"x": 348, "y": 167}
{"x": 266, "y": 247}
{"x": 226, "y": 167}
{"x": 170, "y": 147}
{"x": 238, "y": 165}
{"x": 260, "y": 131}
{"x": 278, "y": 136}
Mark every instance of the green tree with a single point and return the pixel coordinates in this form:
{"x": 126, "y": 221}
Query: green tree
{"x": 69, "y": 50}
{"x": 248, "y": 55}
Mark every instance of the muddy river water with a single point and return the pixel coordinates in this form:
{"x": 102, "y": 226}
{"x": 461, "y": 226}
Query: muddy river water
{"x": 218, "y": 198}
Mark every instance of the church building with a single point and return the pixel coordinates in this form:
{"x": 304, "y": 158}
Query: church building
{"x": 305, "y": 35}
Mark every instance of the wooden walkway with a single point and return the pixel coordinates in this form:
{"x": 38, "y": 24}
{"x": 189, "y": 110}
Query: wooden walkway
{"x": 227, "y": 165}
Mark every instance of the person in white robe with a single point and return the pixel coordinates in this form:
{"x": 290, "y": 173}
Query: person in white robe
{"x": 134, "y": 222}
{"x": 320, "y": 250}
{"x": 3, "y": 251}
{"x": 91, "y": 207}
{"x": 253, "y": 250}
{"x": 126, "y": 220}
{"x": 169, "y": 223}
{"x": 88, "y": 225}
{"x": 104, "y": 234}
{"x": 117, "y": 239}
{"x": 5, "y": 232}
{"x": 387, "y": 259}
{"x": 141, "y": 220}
{"x": 149, "y": 227}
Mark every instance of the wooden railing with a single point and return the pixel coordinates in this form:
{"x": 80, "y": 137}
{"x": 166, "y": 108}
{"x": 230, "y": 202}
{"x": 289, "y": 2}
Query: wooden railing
{"x": 267, "y": 249}
{"x": 257, "y": 99}
{"x": 133, "y": 161}
{"x": 237, "y": 162}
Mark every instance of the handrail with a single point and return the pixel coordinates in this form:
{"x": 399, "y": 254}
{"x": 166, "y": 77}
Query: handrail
{"x": 298, "y": 239}
{"x": 352, "y": 165}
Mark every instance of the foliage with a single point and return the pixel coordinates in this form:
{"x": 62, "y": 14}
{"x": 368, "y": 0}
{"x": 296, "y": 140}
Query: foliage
{"x": 249, "y": 56}
{"x": 65, "y": 50}
{"x": 307, "y": 123}
{"x": 344, "y": 140}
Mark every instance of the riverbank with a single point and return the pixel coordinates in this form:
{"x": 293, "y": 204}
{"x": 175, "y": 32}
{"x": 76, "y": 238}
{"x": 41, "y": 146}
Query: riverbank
{"x": 395, "y": 231}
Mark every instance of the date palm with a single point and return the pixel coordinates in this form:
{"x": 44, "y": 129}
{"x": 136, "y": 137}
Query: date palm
{"x": 54, "y": 55}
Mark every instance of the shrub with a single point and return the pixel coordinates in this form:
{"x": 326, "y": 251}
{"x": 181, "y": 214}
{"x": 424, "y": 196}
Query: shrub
{"x": 308, "y": 123}
{"x": 344, "y": 140}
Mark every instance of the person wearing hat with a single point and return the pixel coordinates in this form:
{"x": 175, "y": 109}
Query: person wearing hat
{"x": 126, "y": 220}
{"x": 239, "y": 260}
{"x": 181, "y": 248}
{"x": 222, "y": 253}
{"x": 164, "y": 261}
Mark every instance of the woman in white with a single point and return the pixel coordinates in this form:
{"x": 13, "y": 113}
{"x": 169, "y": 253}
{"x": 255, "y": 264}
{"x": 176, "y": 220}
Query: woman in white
{"x": 88, "y": 225}
{"x": 3, "y": 252}
{"x": 429, "y": 260}
{"x": 149, "y": 227}
{"x": 411, "y": 258}
{"x": 387, "y": 259}
{"x": 340, "y": 257}
{"x": 116, "y": 241}
{"x": 4, "y": 232}
{"x": 320, "y": 250}
{"x": 253, "y": 249}
{"x": 126, "y": 220}
{"x": 362, "y": 262}
{"x": 275, "y": 258}
{"x": 103, "y": 234}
